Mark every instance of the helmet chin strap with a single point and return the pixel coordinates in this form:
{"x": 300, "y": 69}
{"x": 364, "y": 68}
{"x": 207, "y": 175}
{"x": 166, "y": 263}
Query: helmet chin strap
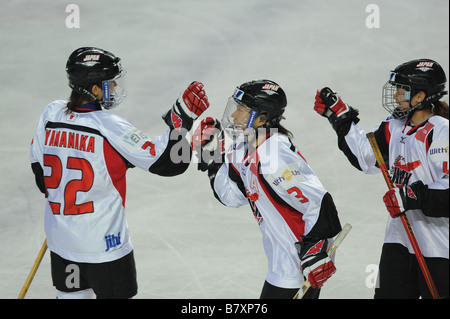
{"x": 251, "y": 119}
{"x": 426, "y": 103}
{"x": 268, "y": 124}
{"x": 84, "y": 92}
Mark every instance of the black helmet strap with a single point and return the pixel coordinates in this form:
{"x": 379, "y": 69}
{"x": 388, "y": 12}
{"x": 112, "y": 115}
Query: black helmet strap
{"x": 84, "y": 92}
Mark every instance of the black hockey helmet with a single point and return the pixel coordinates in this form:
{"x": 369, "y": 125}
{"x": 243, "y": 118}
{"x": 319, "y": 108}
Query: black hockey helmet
{"x": 414, "y": 76}
{"x": 88, "y": 66}
{"x": 264, "y": 98}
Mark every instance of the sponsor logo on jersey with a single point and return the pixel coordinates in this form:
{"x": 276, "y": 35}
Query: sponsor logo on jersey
{"x": 439, "y": 150}
{"x": 286, "y": 176}
{"x": 133, "y": 138}
{"x": 439, "y": 153}
{"x": 112, "y": 241}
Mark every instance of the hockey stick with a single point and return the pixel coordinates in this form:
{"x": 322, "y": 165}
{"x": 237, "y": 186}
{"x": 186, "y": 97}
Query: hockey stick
{"x": 406, "y": 224}
{"x": 33, "y": 270}
{"x": 330, "y": 251}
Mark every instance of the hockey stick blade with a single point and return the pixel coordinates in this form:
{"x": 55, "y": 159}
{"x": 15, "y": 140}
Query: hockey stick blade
{"x": 330, "y": 251}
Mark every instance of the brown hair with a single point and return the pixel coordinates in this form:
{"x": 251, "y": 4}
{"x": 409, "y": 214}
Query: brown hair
{"x": 440, "y": 108}
{"x": 282, "y": 130}
{"x": 75, "y": 100}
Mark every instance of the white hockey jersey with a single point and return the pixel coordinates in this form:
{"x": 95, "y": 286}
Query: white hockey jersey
{"x": 286, "y": 198}
{"x": 412, "y": 153}
{"x": 83, "y": 157}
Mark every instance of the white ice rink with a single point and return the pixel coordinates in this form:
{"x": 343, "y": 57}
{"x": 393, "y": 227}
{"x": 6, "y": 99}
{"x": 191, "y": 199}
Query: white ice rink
{"x": 187, "y": 245}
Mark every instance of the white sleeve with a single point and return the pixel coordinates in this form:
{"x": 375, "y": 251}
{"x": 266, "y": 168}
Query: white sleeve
{"x": 227, "y": 190}
{"x": 360, "y": 146}
{"x": 37, "y": 143}
{"x": 142, "y": 151}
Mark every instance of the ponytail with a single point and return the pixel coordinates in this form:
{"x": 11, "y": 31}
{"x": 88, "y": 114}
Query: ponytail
{"x": 440, "y": 108}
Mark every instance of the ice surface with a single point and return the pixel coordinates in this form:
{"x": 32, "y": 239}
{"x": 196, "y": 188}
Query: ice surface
{"x": 187, "y": 245}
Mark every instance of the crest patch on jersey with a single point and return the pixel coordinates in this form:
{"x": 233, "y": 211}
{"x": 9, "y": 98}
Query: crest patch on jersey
{"x": 401, "y": 170}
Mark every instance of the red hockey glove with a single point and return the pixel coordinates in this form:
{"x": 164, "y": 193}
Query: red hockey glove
{"x": 393, "y": 199}
{"x": 205, "y": 133}
{"x": 208, "y": 143}
{"x": 399, "y": 200}
{"x": 194, "y": 100}
{"x": 316, "y": 265}
{"x": 188, "y": 107}
{"x": 328, "y": 102}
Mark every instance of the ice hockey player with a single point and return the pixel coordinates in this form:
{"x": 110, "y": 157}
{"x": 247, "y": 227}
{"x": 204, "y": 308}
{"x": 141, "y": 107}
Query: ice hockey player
{"x": 261, "y": 167}
{"x": 414, "y": 145}
{"x": 80, "y": 155}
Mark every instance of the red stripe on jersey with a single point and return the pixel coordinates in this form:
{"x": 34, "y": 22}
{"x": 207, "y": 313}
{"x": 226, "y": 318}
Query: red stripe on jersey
{"x": 116, "y": 169}
{"x": 292, "y": 217}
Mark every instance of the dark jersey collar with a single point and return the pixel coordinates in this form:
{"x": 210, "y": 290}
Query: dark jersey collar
{"x": 88, "y": 107}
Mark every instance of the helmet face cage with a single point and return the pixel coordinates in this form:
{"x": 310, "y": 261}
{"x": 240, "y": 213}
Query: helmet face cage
{"x": 397, "y": 98}
{"x": 412, "y": 77}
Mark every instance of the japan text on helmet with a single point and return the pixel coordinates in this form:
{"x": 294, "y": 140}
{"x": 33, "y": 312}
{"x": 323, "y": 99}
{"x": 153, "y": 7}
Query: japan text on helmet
{"x": 88, "y": 66}
{"x": 412, "y": 77}
{"x": 263, "y": 98}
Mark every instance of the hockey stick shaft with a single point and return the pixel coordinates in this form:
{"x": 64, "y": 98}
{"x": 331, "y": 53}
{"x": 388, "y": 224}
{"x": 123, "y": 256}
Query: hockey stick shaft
{"x": 33, "y": 270}
{"x": 404, "y": 219}
{"x": 330, "y": 251}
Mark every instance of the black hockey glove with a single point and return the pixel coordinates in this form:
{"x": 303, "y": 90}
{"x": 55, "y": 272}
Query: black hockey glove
{"x": 331, "y": 106}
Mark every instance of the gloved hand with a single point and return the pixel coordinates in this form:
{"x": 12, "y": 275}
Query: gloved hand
{"x": 328, "y": 102}
{"x": 208, "y": 144}
{"x": 193, "y": 101}
{"x": 188, "y": 107}
{"x": 398, "y": 199}
{"x": 316, "y": 265}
